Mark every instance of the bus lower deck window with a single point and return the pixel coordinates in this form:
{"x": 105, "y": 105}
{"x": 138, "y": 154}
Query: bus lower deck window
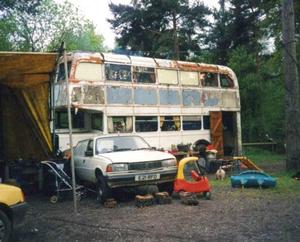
{"x": 146, "y": 124}
{"x": 206, "y": 122}
{"x": 170, "y": 123}
{"x": 191, "y": 122}
{"x": 61, "y": 120}
{"x": 97, "y": 121}
{"x": 122, "y": 124}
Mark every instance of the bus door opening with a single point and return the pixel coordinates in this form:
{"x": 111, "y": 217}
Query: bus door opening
{"x": 223, "y": 131}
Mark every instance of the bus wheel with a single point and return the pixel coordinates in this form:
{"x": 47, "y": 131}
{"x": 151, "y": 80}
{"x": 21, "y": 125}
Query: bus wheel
{"x": 200, "y": 145}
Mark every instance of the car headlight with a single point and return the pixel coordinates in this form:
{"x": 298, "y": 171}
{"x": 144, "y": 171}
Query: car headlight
{"x": 169, "y": 162}
{"x": 119, "y": 167}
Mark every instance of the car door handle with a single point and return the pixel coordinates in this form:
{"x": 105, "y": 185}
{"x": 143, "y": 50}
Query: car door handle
{"x": 83, "y": 161}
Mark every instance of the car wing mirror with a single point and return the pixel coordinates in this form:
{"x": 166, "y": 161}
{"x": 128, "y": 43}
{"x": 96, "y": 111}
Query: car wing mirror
{"x": 195, "y": 175}
{"x": 89, "y": 153}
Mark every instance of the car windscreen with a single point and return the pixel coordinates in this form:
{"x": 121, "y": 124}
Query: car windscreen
{"x": 120, "y": 143}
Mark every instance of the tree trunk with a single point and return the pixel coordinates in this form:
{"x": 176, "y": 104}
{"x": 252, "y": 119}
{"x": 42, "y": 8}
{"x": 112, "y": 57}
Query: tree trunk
{"x": 292, "y": 112}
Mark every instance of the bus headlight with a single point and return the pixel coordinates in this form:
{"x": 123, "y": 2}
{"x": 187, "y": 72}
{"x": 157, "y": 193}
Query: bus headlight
{"x": 119, "y": 167}
{"x": 169, "y": 162}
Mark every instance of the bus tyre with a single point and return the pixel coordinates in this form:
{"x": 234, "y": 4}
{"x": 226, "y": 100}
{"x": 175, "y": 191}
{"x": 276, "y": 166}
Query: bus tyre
{"x": 5, "y": 227}
{"x": 102, "y": 189}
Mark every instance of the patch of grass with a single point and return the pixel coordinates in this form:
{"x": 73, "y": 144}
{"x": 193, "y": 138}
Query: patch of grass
{"x": 273, "y": 164}
{"x": 286, "y": 184}
{"x": 260, "y": 156}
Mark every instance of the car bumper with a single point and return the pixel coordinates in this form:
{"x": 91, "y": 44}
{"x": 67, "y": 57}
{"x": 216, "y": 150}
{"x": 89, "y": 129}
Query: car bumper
{"x": 128, "y": 179}
{"x": 18, "y": 213}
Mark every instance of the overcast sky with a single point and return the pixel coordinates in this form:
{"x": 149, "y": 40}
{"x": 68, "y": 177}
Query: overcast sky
{"x": 98, "y": 11}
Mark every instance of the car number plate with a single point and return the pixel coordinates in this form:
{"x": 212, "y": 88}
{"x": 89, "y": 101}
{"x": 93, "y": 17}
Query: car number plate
{"x": 147, "y": 177}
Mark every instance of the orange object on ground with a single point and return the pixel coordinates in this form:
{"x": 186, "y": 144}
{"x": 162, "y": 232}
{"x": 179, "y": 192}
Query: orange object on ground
{"x": 189, "y": 177}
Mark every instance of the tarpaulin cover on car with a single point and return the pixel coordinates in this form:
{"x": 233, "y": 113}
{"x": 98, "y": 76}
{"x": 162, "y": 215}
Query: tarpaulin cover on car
{"x": 24, "y": 105}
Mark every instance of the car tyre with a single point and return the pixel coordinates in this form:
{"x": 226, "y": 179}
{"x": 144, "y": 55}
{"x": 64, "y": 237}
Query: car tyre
{"x": 102, "y": 189}
{"x": 5, "y": 227}
{"x": 167, "y": 187}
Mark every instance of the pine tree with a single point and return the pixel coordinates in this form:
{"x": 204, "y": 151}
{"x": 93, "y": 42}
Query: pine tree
{"x": 160, "y": 28}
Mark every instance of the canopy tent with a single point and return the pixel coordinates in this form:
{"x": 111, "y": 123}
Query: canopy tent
{"x": 24, "y": 105}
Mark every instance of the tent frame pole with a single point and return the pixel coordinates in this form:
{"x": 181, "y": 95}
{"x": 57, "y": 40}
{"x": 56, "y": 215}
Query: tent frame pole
{"x": 70, "y": 130}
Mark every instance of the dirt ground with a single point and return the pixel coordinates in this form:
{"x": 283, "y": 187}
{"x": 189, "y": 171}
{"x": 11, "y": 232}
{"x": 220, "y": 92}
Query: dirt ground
{"x": 231, "y": 215}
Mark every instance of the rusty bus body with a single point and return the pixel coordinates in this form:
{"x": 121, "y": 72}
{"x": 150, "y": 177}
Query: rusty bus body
{"x": 165, "y": 101}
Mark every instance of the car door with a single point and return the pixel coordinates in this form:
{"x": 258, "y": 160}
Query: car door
{"x": 79, "y": 156}
{"x": 88, "y": 167}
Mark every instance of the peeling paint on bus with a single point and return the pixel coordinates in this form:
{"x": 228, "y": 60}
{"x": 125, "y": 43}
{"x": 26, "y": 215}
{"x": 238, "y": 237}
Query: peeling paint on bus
{"x": 93, "y": 95}
{"x": 169, "y": 97}
{"x": 119, "y": 95}
{"x": 191, "y": 98}
{"x": 145, "y": 96}
{"x": 210, "y": 98}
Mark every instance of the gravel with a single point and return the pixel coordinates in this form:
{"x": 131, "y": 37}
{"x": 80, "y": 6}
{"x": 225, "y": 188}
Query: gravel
{"x": 231, "y": 215}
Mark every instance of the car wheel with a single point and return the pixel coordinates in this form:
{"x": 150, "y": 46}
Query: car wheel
{"x": 5, "y": 227}
{"x": 167, "y": 187}
{"x": 102, "y": 189}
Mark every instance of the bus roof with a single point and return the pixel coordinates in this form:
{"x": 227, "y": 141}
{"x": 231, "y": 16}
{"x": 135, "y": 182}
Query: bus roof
{"x": 151, "y": 62}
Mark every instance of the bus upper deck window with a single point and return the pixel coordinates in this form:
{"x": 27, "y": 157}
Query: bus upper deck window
{"x": 189, "y": 78}
{"x": 118, "y": 72}
{"x": 226, "y": 81}
{"x": 89, "y": 71}
{"x": 209, "y": 79}
{"x": 167, "y": 76}
{"x": 61, "y": 71}
{"x": 143, "y": 74}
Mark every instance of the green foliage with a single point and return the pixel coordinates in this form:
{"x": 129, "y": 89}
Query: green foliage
{"x": 262, "y": 95}
{"x": 263, "y": 156}
{"x": 153, "y": 27}
{"x": 22, "y": 5}
{"x": 46, "y": 27}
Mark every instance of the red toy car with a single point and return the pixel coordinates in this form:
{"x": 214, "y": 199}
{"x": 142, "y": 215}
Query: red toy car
{"x": 190, "y": 178}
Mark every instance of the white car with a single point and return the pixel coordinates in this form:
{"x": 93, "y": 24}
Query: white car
{"x": 121, "y": 161}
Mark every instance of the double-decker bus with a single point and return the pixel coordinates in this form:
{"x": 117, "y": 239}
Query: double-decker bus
{"x": 167, "y": 102}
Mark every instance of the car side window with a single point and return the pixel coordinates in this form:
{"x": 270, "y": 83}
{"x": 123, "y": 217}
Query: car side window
{"x": 81, "y": 148}
{"x": 90, "y": 146}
